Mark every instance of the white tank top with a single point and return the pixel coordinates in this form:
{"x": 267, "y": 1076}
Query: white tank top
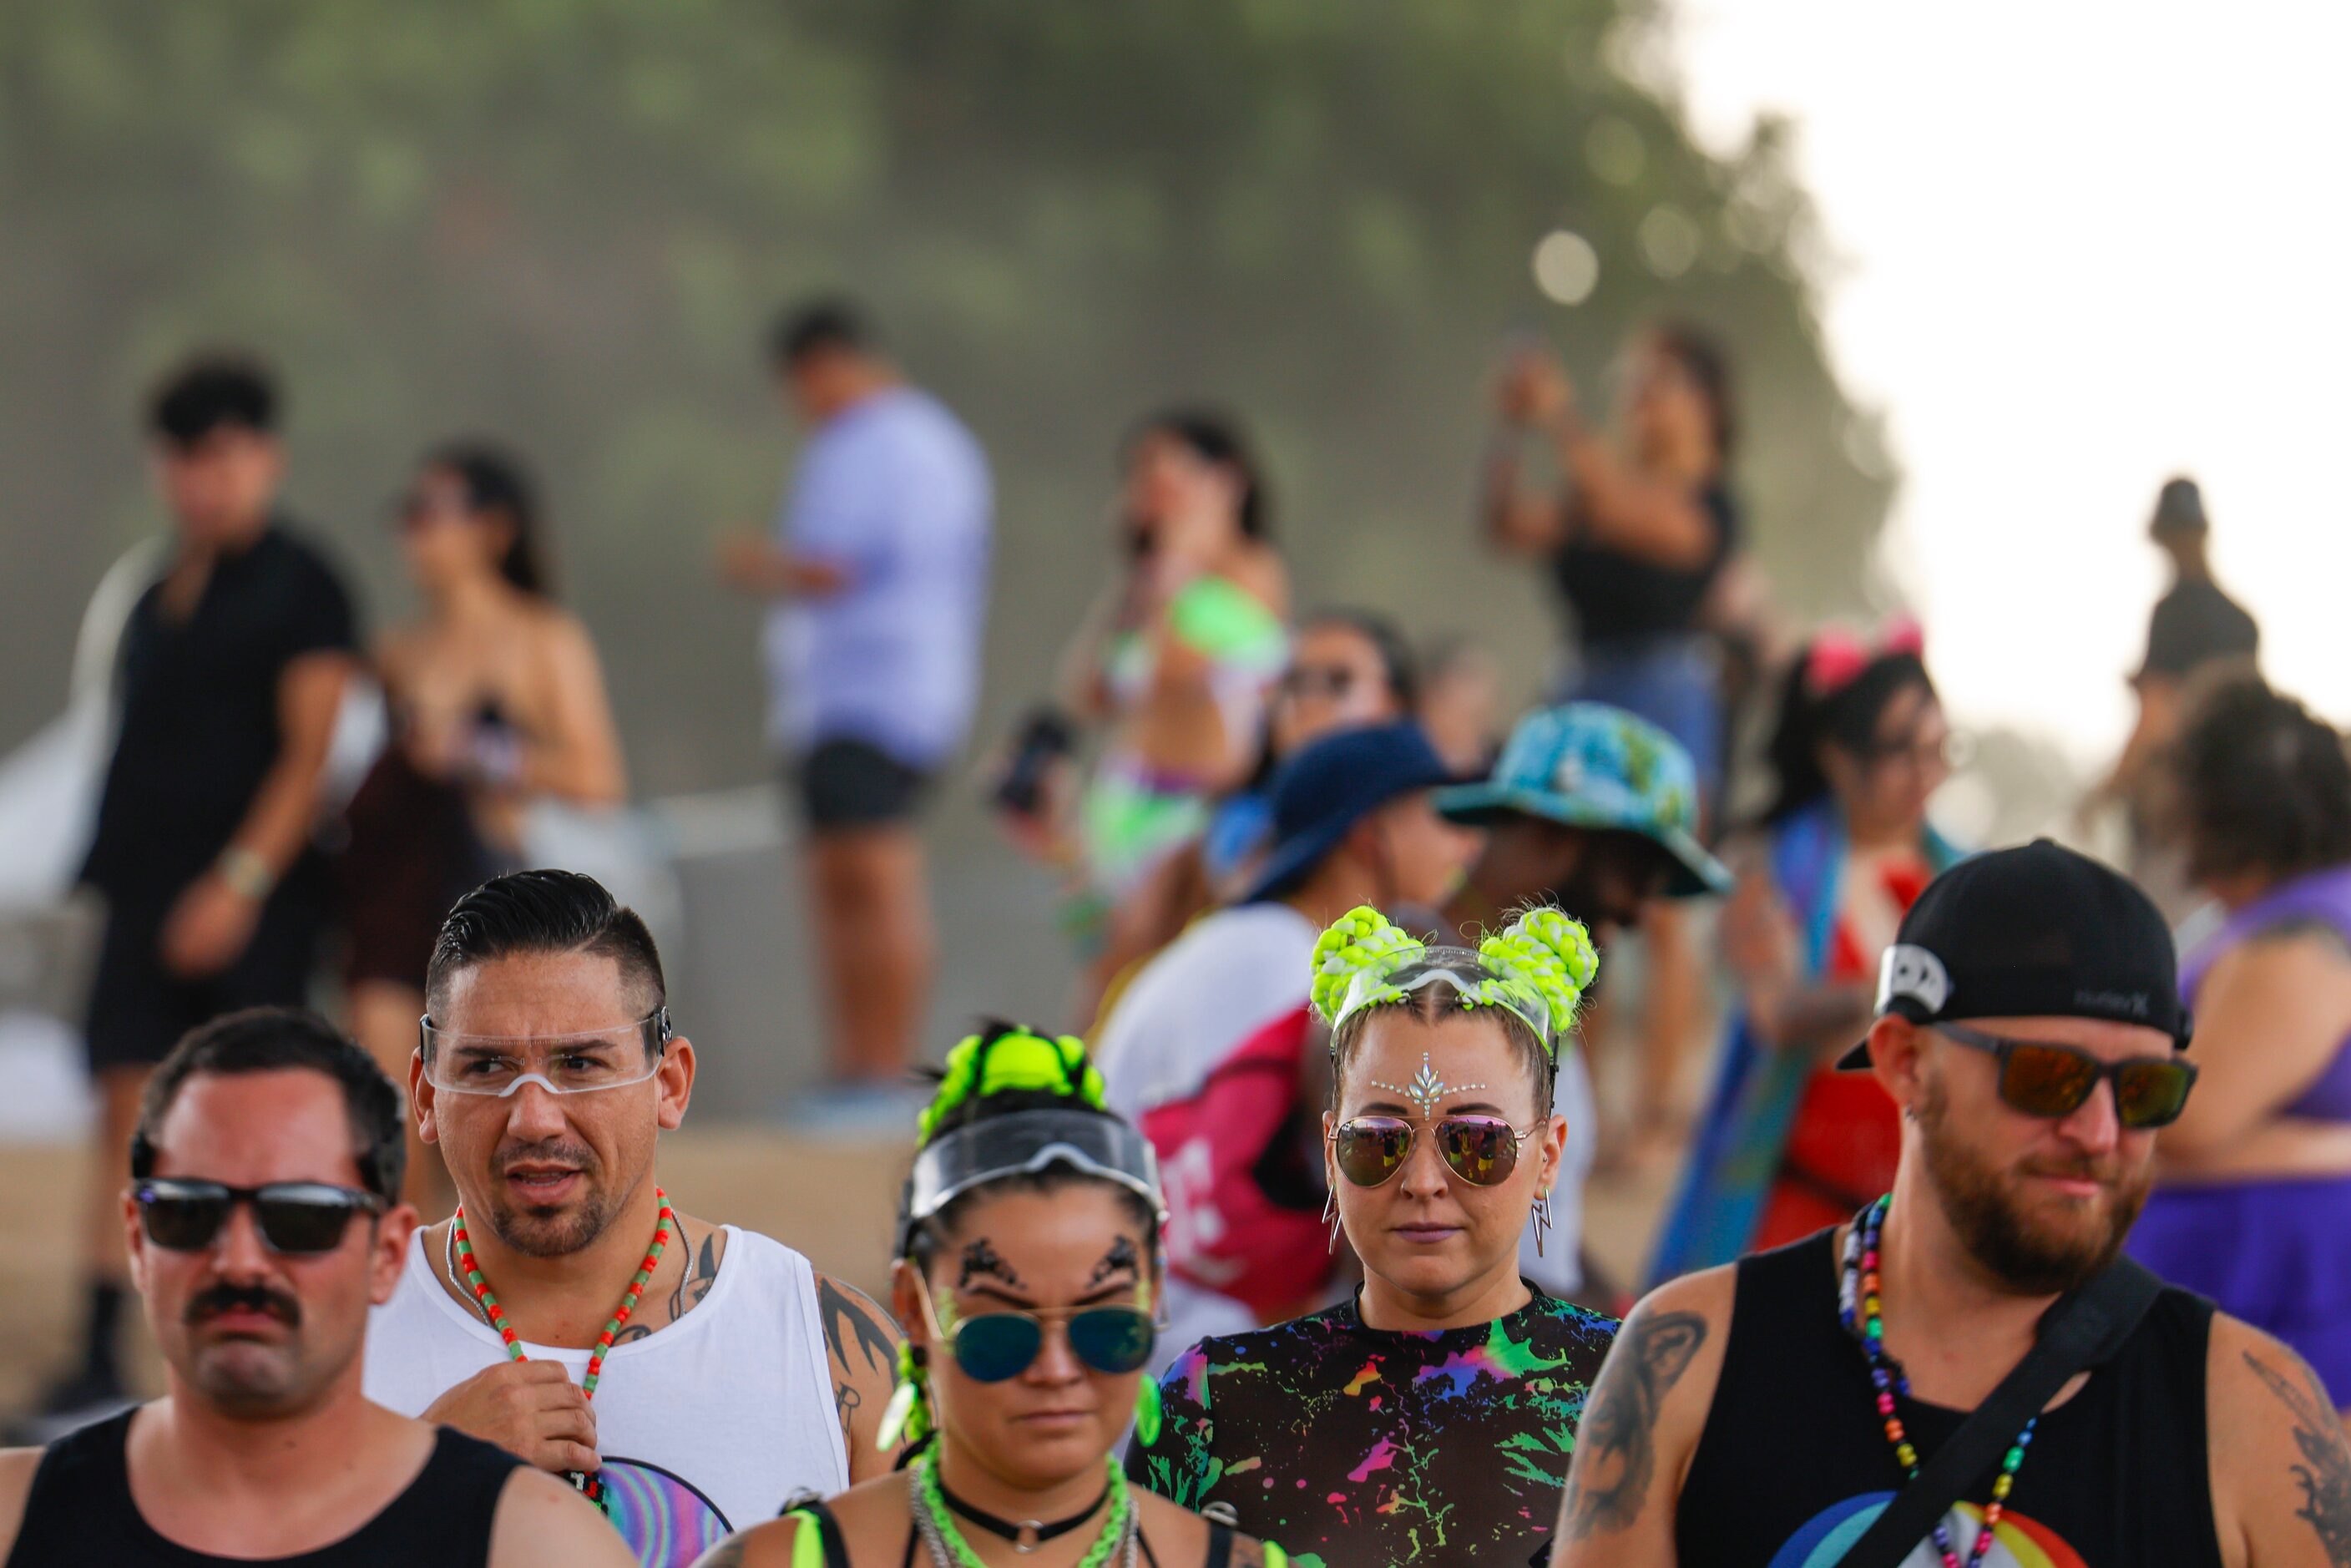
{"x": 706, "y": 1426}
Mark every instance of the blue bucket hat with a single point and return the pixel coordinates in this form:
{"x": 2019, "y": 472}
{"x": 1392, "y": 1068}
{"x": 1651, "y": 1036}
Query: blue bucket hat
{"x": 1586, "y": 765}
{"x": 1333, "y": 784}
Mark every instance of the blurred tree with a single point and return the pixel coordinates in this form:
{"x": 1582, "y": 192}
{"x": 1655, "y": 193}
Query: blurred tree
{"x": 566, "y": 221}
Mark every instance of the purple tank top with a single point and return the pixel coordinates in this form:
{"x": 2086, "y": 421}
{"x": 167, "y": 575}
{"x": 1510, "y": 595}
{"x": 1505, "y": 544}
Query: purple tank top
{"x": 2320, "y": 897}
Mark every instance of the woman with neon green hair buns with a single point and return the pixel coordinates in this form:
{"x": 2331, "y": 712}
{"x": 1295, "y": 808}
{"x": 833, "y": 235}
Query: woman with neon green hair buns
{"x": 1429, "y": 1419}
{"x": 1026, "y": 1280}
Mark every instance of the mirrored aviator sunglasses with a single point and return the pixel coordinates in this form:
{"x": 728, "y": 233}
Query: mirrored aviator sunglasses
{"x": 2043, "y": 1078}
{"x": 1481, "y": 1150}
{"x": 296, "y": 1218}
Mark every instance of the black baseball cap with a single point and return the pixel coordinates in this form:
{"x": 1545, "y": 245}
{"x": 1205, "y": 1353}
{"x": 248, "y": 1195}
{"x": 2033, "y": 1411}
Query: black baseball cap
{"x": 2037, "y": 931}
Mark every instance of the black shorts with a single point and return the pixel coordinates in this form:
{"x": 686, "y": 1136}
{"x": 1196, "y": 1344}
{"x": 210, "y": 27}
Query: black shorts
{"x": 851, "y": 783}
{"x": 139, "y": 1010}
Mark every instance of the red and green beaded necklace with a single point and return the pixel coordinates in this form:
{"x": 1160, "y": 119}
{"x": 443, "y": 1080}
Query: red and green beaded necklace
{"x": 495, "y": 1316}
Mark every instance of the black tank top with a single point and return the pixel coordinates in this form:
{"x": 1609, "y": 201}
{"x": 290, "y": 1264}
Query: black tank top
{"x": 80, "y": 1512}
{"x": 1793, "y": 1463}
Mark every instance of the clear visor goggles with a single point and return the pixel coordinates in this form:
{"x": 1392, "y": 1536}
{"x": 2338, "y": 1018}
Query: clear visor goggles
{"x": 1465, "y": 971}
{"x": 1023, "y": 1145}
{"x": 578, "y": 1063}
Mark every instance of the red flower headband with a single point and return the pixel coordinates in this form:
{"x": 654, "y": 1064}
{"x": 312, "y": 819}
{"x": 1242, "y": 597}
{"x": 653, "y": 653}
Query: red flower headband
{"x": 1837, "y": 658}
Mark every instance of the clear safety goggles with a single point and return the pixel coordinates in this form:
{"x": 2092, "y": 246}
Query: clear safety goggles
{"x": 1465, "y": 971}
{"x": 1024, "y": 1143}
{"x": 578, "y": 1063}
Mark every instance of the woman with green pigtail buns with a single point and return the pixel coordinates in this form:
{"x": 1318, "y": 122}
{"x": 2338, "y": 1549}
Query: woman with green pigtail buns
{"x": 1429, "y": 1419}
{"x": 1026, "y": 1280}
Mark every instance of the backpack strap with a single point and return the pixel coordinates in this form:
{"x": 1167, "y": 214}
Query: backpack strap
{"x": 2082, "y": 1330}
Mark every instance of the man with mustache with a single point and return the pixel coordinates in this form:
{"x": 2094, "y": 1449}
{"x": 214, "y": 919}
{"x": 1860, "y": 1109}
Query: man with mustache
{"x": 690, "y": 1376}
{"x": 1766, "y": 1413}
{"x": 263, "y": 1217}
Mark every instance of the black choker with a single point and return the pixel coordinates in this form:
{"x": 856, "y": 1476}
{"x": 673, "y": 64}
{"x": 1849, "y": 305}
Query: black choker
{"x": 1027, "y": 1535}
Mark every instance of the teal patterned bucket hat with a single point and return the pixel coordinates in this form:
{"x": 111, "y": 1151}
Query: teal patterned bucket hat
{"x": 1588, "y": 765}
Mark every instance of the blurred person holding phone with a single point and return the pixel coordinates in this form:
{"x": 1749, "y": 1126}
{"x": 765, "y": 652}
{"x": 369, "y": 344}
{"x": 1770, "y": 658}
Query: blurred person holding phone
{"x": 877, "y": 576}
{"x": 1348, "y": 668}
{"x": 496, "y": 699}
{"x": 1635, "y": 535}
{"x": 1786, "y": 1144}
{"x": 1175, "y": 663}
{"x": 228, "y": 677}
{"x": 2252, "y": 1198}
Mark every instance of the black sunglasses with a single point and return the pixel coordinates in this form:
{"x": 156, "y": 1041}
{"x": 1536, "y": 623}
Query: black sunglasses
{"x": 294, "y": 1216}
{"x": 2042, "y": 1078}
{"x": 1481, "y": 1150}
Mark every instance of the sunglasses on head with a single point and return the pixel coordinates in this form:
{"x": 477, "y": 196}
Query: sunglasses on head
{"x": 1481, "y": 1150}
{"x": 294, "y": 1216}
{"x": 997, "y": 1347}
{"x": 2042, "y": 1078}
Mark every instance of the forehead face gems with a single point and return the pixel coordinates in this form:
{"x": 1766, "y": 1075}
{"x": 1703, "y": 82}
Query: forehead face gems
{"x": 1426, "y": 1088}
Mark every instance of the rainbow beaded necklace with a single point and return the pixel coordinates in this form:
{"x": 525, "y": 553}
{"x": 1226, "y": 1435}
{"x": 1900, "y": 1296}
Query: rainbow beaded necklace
{"x": 1860, "y": 1309}
{"x": 494, "y": 1316}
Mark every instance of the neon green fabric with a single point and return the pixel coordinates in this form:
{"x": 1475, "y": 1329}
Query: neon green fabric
{"x": 1216, "y": 617}
{"x": 1128, "y": 825}
{"x": 807, "y": 1540}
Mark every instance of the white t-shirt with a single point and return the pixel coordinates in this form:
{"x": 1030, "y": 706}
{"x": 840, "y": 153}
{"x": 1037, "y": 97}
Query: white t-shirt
{"x": 1216, "y": 984}
{"x": 707, "y": 1425}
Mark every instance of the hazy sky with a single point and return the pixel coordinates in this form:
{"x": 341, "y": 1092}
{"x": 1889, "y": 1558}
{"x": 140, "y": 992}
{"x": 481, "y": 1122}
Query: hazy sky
{"x": 2082, "y": 248}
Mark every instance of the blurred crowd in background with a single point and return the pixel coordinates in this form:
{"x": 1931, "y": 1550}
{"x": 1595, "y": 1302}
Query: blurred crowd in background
{"x": 1741, "y": 806}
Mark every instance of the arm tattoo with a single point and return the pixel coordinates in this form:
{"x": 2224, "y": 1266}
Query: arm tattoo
{"x": 981, "y": 1259}
{"x": 850, "y": 1319}
{"x": 701, "y": 1273}
{"x": 2326, "y": 1478}
{"x": 1649, "y": 1356}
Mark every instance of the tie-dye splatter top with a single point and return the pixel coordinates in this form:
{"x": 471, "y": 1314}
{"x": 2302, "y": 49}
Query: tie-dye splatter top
{"x": 1357, "y": 1448}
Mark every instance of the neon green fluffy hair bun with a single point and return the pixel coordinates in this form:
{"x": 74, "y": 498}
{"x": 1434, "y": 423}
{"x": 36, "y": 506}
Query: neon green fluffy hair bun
{"x": 1359, "y": 940}
{"x": 1006, "y": 1057}
{"x": 1550, "y": 953}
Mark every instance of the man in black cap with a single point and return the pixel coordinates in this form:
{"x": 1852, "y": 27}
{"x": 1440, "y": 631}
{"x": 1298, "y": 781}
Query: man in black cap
{"x": 1207, "y": 1049}
{"x": 1766, "y": 1413}
{"x": 2195, "y": 624}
